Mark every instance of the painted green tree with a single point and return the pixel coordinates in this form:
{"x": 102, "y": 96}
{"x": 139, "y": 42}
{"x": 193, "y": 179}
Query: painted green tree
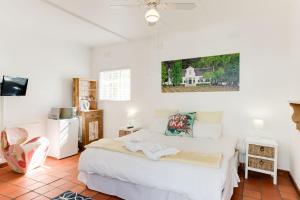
{"x": 176, "y": 73}
{"x": 214, "y": 61}
{"x": 219, "y": 73}
{"x": 214, "y": 76}
{"x": 209, "y": 76}
{"x": 223, "y": 68}
{"x": 232, "y": 70}
{"x": 164, "y": 74}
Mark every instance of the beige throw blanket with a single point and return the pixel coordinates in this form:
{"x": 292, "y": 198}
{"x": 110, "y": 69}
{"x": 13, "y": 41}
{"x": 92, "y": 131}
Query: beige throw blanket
{"x": 202, "y": 159}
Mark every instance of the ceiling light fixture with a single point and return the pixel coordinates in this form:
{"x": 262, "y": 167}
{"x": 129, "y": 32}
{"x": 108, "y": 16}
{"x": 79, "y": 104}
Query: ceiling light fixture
{"x": 152, "y": 16}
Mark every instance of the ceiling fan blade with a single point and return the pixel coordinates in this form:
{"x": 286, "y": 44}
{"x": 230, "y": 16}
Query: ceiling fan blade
{"x": 125, "y": 5}
{"x": 179, "y": 6}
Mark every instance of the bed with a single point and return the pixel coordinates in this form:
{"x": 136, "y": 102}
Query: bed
{"x": 135, "y": 178}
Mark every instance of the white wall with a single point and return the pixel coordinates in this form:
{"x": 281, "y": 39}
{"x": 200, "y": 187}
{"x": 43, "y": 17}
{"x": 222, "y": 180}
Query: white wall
{"x": 49, "y": 65}
{"x": 261, "y": 35}
{"x": 295, "y": 157}
{"x": 295, "y": 93}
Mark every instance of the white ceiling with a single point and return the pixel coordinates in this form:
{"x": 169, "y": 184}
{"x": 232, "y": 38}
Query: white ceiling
{"x": 37, "y": 17}
{"x": 128, "y": 22}
{"x": 93, "y": 22}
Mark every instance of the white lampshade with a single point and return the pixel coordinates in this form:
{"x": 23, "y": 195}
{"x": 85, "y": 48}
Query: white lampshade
{"x": 152, "y": 16}
{"x": 258, "y": 124}
{"x": 131, "y": 112}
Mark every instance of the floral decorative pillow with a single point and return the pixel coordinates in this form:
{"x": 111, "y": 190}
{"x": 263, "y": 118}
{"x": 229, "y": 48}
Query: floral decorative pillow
{"x": 181, "y": 124}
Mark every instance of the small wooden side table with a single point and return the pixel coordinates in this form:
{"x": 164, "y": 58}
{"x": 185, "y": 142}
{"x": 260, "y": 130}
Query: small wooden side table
{"x": 127, "y": 131}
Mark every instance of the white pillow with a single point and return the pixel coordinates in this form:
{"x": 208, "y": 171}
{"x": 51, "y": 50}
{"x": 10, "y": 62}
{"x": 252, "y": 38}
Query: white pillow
{"x": 159, "y": 125}
{"x": 161, "y": 119}
{"x": 207, "y": 130}
{"x": 209, "y": 117}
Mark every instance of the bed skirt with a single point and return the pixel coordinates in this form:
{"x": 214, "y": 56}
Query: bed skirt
{"x": 130, "y": 191}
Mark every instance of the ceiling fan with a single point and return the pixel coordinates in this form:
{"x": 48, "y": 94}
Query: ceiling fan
{"x": 152, "y": 15}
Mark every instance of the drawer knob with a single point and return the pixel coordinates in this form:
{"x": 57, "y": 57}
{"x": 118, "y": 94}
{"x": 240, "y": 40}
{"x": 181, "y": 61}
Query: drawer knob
{"x": 262, "y": 149}
{"x": 261, "y": 162}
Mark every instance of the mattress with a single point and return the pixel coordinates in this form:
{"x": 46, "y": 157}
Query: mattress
{"x": 193, "y": 182}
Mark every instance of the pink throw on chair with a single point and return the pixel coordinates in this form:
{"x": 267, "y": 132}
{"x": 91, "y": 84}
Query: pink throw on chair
{"x": 20, "y": 156}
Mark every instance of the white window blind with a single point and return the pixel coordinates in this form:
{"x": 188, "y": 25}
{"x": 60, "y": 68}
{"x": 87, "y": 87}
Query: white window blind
{"x": 115, "y": 85}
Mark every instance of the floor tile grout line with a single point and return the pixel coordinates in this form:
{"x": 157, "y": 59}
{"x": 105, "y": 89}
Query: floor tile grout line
{"x": 46, "y": 184}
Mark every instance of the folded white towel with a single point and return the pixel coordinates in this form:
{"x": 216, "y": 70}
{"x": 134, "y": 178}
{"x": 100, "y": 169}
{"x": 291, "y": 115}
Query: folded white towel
{"x": 133, "y": 145}
{"x": 157, "y": 151}
{"x": 152, "y": 151}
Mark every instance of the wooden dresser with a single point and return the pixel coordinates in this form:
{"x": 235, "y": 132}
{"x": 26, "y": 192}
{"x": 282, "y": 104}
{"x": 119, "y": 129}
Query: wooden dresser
{"x": 85, "y": 90}
{"x": 92, "y": 126}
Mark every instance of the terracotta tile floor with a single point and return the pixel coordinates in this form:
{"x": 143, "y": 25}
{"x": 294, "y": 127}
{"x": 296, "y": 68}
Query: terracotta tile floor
{"x": 58, "y": 176}
{"x": 260, "y": 186}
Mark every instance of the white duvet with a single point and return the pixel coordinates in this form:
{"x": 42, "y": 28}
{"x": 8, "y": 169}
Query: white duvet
{"x": 197, "y": 183}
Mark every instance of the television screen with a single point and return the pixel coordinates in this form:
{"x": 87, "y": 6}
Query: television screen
{"x": 13, "y": 86}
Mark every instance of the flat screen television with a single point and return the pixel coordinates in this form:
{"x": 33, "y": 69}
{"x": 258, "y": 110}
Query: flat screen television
{"x": 13, "y": 86}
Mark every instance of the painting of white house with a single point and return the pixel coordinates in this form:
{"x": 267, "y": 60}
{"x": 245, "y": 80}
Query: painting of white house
{"x": 203, "y": 74}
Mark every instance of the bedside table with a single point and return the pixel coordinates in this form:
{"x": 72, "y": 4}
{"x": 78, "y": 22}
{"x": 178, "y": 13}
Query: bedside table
{"x": 261, "y": 156}
{"x": 127, "y": 131}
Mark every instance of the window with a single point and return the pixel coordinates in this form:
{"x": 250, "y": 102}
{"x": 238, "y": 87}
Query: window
{"x": 115, "y": 85}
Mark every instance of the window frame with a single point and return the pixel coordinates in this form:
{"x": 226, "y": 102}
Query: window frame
{"x": 114, "y": 99}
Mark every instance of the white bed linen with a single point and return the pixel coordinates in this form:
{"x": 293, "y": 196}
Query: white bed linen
{"x": 198, "y": 183}
{"x": 130, "y": 191}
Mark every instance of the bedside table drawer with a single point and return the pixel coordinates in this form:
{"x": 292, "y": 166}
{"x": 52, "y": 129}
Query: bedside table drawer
{"x": 127, "y": 131}
{"x": 123, "y": 133}
{"x": 263, "y": 151}
{"x": 261, "y": 164}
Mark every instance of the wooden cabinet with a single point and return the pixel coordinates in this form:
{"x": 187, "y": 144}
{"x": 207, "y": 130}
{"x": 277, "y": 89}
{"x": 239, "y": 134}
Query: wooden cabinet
{"x": 85, "y": 90}
{"x": 261, "y": 156}
{"x": 92, "y": 126}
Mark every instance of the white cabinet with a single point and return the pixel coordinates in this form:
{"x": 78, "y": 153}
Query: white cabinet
{"x": 63, "y": 137}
